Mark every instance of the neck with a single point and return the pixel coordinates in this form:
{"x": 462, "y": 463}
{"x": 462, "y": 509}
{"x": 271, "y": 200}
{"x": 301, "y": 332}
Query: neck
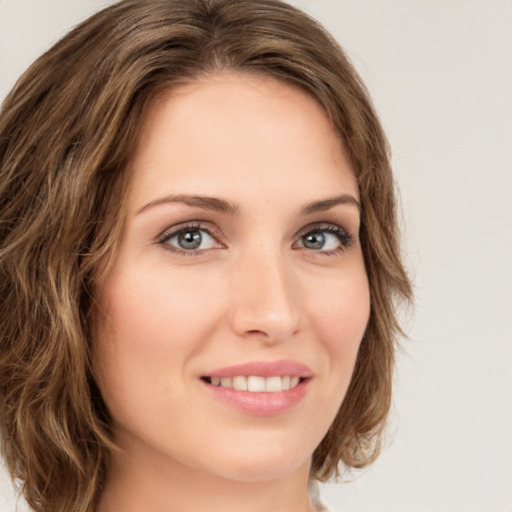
{"x": 146, "y": 483}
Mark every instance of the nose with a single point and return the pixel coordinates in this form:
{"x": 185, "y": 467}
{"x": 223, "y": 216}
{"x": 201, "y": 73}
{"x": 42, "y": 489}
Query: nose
{"x": 264, "y": 304}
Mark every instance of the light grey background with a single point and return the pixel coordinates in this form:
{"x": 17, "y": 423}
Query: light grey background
{"x": 440, "y": 72}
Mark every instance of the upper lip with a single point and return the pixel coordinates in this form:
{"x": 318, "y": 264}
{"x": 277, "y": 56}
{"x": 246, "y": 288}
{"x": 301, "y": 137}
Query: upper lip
{"x": 278, "y": 368}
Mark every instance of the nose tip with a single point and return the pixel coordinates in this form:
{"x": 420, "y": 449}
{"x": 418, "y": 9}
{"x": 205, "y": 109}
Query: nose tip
{"x": 263, "y": 301}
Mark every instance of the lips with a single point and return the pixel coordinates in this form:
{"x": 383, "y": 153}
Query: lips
{"x": 260, "y": 387}
{"x": 264, "y": 369}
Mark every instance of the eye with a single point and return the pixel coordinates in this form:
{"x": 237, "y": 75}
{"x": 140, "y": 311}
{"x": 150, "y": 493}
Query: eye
{"x": 188, "y": 240}
{"x": 326, "y": 238}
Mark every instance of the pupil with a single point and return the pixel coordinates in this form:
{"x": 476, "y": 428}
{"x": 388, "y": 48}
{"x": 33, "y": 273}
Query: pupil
{"x": 190, "y": 239}
{"x": 314, "y": 240}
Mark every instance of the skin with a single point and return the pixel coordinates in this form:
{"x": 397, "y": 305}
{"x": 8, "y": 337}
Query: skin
{"x": 256, "y": 290}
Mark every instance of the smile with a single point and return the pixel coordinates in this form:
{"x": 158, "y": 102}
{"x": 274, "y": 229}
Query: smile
{"x": 256, "y": 384}
{"x": 261, "y": 388}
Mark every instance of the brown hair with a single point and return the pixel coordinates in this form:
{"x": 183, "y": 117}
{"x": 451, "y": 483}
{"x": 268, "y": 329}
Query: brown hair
{"x": 67, "y": 131}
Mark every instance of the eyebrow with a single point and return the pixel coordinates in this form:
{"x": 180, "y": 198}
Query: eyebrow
{"x": 327, "y": 204}
{"x": 203, "y": 202}
{"x": 222, "y": 206}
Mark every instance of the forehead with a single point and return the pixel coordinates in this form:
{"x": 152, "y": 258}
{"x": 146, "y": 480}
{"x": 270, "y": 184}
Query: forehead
{"x": 238, "y": 135}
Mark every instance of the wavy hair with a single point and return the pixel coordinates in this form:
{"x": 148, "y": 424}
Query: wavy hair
{"x": 67, "y": 132}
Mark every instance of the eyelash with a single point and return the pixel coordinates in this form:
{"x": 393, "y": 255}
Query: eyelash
{"x": 345, "y": 238}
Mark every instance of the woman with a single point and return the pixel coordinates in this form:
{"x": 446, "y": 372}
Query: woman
{"x": 199, "y": 260}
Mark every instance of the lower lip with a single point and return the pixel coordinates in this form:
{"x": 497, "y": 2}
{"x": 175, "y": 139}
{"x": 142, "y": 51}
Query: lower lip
{"x": 261, "y": 404}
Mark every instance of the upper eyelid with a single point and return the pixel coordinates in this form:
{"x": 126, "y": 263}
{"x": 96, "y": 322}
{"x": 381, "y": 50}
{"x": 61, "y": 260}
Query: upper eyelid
{"x": 319, "y": 226}
{"x": 177, "y": 228}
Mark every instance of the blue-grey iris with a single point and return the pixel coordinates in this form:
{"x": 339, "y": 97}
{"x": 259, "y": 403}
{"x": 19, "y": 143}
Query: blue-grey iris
{"x": 314, "y": 240}
{"x": 190, "y": 239}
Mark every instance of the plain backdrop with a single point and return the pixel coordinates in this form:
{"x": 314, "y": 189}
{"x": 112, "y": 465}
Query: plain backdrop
{"x": 440, "y": 73}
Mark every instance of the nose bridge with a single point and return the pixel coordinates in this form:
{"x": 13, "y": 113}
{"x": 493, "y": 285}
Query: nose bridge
{"x": 263, "y": 298}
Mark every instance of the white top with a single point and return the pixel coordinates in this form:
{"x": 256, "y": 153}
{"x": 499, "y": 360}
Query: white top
{"x": 314, "y": 494}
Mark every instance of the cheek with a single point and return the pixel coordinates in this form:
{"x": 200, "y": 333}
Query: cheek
{"x": 339, "y": 313}
{"x": 156, "y": 309}
{"x": 153, "y": 324}
{"x": 341, "y": 307}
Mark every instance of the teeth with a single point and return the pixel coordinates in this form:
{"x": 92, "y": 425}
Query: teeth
{"x": 256, "y": 384}
{"x": 273, "y": 384}
{"x": 225, "y": 382}
{"x": 240, "y": 383}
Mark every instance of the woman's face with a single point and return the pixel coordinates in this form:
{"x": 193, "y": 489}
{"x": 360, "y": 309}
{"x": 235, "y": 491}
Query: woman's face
{"x": 240, "y": 265}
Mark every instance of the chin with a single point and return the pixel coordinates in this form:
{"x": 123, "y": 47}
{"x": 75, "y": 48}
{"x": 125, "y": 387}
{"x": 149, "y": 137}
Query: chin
{"x": 259, "y": 463}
